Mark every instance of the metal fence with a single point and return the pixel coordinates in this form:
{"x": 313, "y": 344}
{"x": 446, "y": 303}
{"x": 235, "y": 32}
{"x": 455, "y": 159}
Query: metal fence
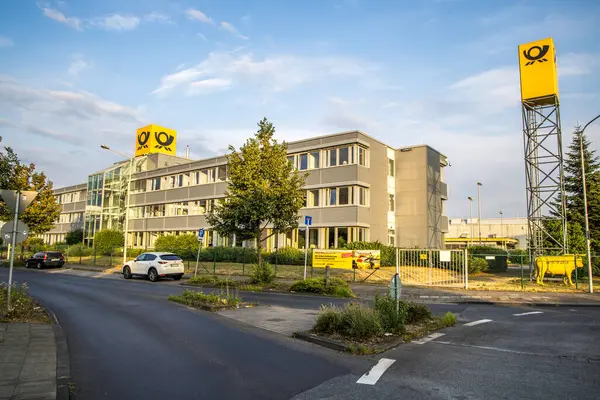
{"x": 429, "y": 267}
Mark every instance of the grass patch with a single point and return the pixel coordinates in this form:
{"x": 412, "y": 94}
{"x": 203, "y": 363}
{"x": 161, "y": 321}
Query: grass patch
{"x": 212, "y": 280}
{"x": 24, "y": 307}
{"x": 335, "y": 287}
{"x": 210, "y": 301}
{"x": 364, "y": 329}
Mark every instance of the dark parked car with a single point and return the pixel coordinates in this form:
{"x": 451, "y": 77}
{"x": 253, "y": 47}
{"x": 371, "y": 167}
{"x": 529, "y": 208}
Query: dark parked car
{"x": 46, "y": 259}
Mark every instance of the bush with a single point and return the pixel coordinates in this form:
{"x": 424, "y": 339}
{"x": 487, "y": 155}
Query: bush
{"x": 449, "y": 319}
{"x": 289, "y": 256}
{"x": 78, "y": 250}
{"x": 35, "y": 244}
{"x": 477, "y": 264}
{"x": 24, "y": 307}
{"x": 212, "y": 280}
{"x": 329, "y": 320}
{"x": 108, "y": 241}
{"x": 391, "y": 320}
{"x": 416, "y": 313}
{"x": 166, "y": 243}
{"x": 262, "y": 273}
{"x": 359, "y": 322}
{"x": 194, "y": 299}
{"x": 500, "y": 261}
{"x": 336, "y": 287}
{"x": 74, "y": 237}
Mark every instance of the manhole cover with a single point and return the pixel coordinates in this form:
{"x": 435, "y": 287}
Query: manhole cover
{"x": 275, "y": 320}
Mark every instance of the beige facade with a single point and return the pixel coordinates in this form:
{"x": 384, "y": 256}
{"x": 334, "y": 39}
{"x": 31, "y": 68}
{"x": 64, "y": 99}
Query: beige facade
{"x": 513, "y": 228}
{"x": 357, "y": 189}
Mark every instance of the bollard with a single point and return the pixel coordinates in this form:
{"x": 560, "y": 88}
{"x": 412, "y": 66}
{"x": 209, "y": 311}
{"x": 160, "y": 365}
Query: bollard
{"x": 354, "y": 277}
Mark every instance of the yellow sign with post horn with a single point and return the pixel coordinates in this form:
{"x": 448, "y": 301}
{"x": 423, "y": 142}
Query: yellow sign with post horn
{"x": 155, "y": 139}
{"x": 537, "y": 67}
{"x": 346, "y": 259}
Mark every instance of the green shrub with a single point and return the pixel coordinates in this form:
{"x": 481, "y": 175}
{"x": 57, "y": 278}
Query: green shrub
{"x": 359, "y": 322}
{"x": 416, "y": 313}
{"x": 500, "y": 261}
{"x": 262, "y": 273}
{"x": 35, "y": 244}
{"x": 193, "y": 298}
{"x": 79, "y": 250}
{"x": 477, "y": 264}
{"x": 289, "y": 256}
{"x": 74, "y": 237}
{"x": 449, "y": 319}
{"x": 391, "y": 320}
{"x": 212, "y": 280}
{"x": 336, "y": 287}
{"x": 166, "y": 243}
{"x": 108, "y": 241}
{"x": 329, "y": 320}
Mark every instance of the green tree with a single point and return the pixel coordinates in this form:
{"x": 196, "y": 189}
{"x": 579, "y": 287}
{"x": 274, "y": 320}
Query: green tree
{"x": 264, "y": 190}
{"x": 108, "y": 241}
{"x": 14, "y": 175}
{"x": 74, "y": 237}
{"x": 165, "y": 243}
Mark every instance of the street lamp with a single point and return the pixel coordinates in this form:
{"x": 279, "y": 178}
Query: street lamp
{"x": 470, "y": 219}
{"x": 479, "y": 185}
{"x": 502, "y": 229}
{"x": 126, "y": 228}
{"x": 585, "y": 207}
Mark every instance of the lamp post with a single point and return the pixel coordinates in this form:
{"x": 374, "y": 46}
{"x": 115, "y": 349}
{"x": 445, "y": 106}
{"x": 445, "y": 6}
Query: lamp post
{"x": 502, "y": 229}
{"x": 479, "y": 184}
{"x": 126, "y": 227}
{"x": 470, "y": 219}
{"x": 585, "y": 207}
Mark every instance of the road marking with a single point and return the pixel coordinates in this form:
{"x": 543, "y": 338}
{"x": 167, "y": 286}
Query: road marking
{"x": 429, "y": 338}
{"x": 481, "y": 321}
{"x": 528, "y": 313}
{"x": 371, "y": 377}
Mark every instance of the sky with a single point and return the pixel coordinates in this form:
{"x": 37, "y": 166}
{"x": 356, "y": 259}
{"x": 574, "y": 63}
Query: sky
{"x": 76, "y": 74}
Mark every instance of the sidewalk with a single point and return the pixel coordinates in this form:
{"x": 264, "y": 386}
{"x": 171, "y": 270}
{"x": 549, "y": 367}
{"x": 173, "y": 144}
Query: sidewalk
{"x": 27, "y": 361}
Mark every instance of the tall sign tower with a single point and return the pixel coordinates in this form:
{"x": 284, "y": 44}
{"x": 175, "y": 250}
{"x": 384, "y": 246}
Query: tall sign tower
{"x": 542, "y": 141}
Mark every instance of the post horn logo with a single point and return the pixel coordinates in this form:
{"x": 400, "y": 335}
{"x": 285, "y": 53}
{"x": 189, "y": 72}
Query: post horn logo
{"x": 536, "y": 53}
{"x": 164, "y": 140}
{"x": 142, "y": 140}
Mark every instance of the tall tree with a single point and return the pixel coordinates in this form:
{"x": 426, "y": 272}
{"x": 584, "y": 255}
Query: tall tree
{"x": 265, "y": 191}
{"x": 14, "y": 175}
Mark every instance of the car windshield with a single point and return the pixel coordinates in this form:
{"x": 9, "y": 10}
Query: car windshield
{"x": 170, "y": 257}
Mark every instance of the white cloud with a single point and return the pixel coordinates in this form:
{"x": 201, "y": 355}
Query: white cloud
{"x": 231, "y": 29}
{"x": 200, "y": 35}
{"x": 577, "y": 64}
{"x": 209, "y": 86}
{"x": 491, "y": 91}
{"x": 56, "y": 15}
{"x": 117, "y": 22}
{"x": 198, "y": 15}
{"x": 273, "y": 73}
{"x": 158, "y": 17}
{"x": 78, "y": 64}
{"x": 6, "y": 42}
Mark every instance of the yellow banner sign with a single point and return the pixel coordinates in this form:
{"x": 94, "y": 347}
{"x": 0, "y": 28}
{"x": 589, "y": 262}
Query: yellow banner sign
{"x": 537, "y": 66}
{"x": 155, "y": 139}
{"x": 348, "y": 259}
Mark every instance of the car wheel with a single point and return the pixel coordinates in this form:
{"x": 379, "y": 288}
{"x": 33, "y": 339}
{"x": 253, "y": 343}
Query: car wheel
{"x": 126, "y": 273}
{"x": 152, "y": 275}
{"x": 177, "y": 277}
{"x": 39, "y": 265}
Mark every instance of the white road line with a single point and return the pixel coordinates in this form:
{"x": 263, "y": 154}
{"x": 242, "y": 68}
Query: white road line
{"x": 528, "y": 313}
{"x": 429, "y": 338}
{"x": 481, "y": 321}
{"x": 371, "y": 377}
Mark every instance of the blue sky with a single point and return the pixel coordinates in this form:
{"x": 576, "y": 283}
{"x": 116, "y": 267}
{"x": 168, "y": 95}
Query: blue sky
{"x": 78, "y": 73}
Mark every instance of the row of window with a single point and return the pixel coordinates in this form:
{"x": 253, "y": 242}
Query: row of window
{"x": 70, "y": 218}
{"x": 70, "y": 197}
{"x": 200, "y": 177}
{"x": 198, "y": 207}
{"x": 337, "y": 196}
{"x": 343, "y": 155}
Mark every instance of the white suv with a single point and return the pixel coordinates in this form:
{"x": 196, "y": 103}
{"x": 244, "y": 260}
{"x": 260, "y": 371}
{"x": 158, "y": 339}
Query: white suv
{"x": 154, "y": 266}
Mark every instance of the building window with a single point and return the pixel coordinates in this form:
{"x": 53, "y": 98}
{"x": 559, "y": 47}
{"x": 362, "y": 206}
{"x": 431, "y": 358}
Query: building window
{"x": 313, "y": 198}
{"x": 155, "y": 210}
{"x": 332, "y": 197}
{"x": 391, "y": 206}
{"x": 314, "y": 160}
{"x": 363, "y": 194}
{"x": 344, "y": 155}
{"x": 155, "y": 184}
{"x": 291, "y": 160}
{"x": 303, "y": 162}
{"x": 345, "y": 196}
{"x": 332, "y": 157}
{"x": 222, "y": 174}
{"x": 362, "y": 156}
{"x": 391, "y": 167}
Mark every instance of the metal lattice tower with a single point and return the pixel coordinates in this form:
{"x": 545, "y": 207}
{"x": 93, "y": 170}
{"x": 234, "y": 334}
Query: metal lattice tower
{"x": 544, "y": 174}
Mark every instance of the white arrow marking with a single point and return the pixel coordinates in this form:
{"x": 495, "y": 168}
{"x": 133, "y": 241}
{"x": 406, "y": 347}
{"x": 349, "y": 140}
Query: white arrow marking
{"x": 371, "y": 377}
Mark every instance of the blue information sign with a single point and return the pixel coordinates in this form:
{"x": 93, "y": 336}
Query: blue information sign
{"x": 200, "y": 234}
{"x": 307, "y": 220}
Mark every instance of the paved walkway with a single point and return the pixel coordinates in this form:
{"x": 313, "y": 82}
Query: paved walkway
{"x": 276, "y": 319}
{"x": 27, "y": 362}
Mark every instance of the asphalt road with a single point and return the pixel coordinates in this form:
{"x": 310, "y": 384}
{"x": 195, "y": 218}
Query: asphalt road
{"x": 127, "y": 341}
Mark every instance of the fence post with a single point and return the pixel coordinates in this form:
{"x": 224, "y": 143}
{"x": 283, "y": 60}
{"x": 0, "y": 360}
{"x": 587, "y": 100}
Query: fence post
{"x": 466, "y": 264}
{"x": 576, "y": 280}
{"x": 522, "y": 283}
{"x": 244, "y": 261}
{"x": 276, "y": 259}
{"x": 214, "y": 261}
{"x": 80, "y": 253}
{"x": 94, "y": 253}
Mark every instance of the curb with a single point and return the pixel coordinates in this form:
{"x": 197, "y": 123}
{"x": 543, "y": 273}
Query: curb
{"x": 508, "y": 303}
{"x": 63, "y": 366}
{"x": 330, "y": 344}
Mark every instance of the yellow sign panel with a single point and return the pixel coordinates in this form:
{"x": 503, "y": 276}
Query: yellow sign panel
{"x": 347, "y": 259}
{"x": 155, "y": 139}
{"x": 537, "y": 66}
{"x": 423, "y": 256}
